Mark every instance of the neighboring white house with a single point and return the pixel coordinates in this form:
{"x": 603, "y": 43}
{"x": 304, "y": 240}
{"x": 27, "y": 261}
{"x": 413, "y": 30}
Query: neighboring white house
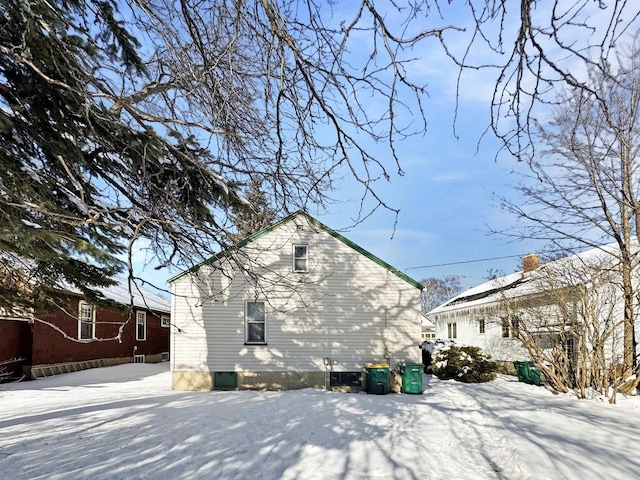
{"x": 492, "y": 315}
{"x": 295, "y": 305}
{"x": 428, "y": 333}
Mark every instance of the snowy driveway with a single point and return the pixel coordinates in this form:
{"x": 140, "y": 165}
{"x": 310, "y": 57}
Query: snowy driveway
{"x": 125, "y": 423}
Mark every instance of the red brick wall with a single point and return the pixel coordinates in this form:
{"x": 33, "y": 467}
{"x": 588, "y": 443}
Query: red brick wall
{"x": 15, "y": 342}
{"x": 50, "y": 346}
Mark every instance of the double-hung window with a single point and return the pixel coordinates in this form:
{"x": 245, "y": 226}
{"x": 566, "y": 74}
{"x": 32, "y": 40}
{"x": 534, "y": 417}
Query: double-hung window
{"x": 300, "y": 258}
{"x": 505, "y": 328}
{"x": 255, "y": 322}
{"x": 510, "y": 327}
{"x": 481, "y": 328}
{"x": 452, "y": 330}
{"x": 141, "y": 325}
{"x": 515, "y": 327}
{"x": 86, "y": 322}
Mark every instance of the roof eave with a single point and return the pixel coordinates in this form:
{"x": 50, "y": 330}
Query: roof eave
{"x": 318, "y": 224}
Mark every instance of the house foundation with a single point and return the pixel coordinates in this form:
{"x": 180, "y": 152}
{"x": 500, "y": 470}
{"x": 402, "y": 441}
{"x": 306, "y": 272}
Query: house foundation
{"x": 203, "y": 381}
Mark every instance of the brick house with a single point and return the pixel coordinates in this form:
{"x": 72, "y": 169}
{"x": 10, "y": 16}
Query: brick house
{"x": 80, "y": 335}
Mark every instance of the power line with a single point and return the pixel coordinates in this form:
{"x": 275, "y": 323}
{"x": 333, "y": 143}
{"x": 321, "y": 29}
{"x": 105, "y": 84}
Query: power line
{"x": 465, "y": 261}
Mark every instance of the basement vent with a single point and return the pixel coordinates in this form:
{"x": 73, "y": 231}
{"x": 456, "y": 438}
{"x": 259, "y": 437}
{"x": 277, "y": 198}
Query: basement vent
{"x": 225, "y": 380}
{"x": 138, "y": 359}
{"x": 345, "y": 379}
{"x": 165, "y": 356}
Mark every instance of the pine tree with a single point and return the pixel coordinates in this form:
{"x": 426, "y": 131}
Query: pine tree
{"x": 78, "y": 179}
{"x": 257, "y": 215}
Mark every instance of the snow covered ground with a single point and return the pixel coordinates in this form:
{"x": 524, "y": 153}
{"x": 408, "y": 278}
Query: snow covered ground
{"x": 125, "y": 422}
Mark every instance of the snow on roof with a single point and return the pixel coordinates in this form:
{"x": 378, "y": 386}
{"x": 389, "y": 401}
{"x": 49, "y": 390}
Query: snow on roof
{"x": 142, "y": 298}
{"x": 486, "y": 292}
{"x": 522, "y": 283}
{"x": 425, "y": 322}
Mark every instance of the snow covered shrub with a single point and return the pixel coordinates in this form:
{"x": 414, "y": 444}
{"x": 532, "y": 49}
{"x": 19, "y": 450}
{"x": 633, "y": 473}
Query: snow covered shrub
{"x": 463, "y": 363}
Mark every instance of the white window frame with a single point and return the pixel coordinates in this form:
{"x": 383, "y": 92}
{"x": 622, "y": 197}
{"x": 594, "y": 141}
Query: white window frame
{"x": 248, "y": 321}
{"x": 82, "y": 319}
{"x": 304, "y": 257}
{"x": 482, "y": 326}
{"x": 514, "y": 327}
{"x": 141, "y": 315}
{"x": 165, "y": 321}
{"x": 452, "y": 330}
{"x": 506, "y": 328}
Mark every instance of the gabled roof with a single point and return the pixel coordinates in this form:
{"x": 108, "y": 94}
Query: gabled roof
{"x": 142, "y": 298}
{"x": 486, "y": 292}
{"x": 317, "y": 224}
{"x": 119, "y": 293}
{"x": 521, "y": 283}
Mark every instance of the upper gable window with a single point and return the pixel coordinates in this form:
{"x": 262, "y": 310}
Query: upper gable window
{"x": 300, "y": 258}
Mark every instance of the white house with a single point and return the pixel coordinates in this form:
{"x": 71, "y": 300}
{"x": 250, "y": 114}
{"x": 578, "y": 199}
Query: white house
{"x": 577, "y": 298}
{"x": 295, "y": 305}
{"x": 428, "y": 330}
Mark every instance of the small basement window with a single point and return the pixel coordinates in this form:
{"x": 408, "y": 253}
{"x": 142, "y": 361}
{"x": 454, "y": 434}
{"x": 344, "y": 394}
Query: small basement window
{"x": 165, "y": 356}
{"x": 345, "y": 379}
{"x": 138, "y": 359}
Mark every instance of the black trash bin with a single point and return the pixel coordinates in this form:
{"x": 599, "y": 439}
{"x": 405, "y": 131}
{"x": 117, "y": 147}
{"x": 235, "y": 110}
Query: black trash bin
{"x": 426, "y": 357}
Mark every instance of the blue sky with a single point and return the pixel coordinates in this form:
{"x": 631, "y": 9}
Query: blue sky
{"x": 448, "y": 196}
{"x": 447, "y": 199}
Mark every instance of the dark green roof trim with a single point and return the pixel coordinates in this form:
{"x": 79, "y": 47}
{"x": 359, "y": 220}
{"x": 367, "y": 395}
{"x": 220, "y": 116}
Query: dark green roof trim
{"x": 318, "y": 224}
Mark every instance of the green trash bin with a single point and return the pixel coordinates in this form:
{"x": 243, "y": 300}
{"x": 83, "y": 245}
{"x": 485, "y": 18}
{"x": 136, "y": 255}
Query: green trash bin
{"x": 377, "y": 378}
{"x": 527, "y": 373}
{"x": 411, "y": 374}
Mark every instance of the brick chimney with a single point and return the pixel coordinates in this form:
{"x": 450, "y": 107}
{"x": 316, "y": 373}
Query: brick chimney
{"x": 530, "y": 262}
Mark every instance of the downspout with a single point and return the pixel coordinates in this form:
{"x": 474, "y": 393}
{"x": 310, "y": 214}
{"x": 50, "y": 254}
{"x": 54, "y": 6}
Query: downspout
{"x": 387, "y": 353}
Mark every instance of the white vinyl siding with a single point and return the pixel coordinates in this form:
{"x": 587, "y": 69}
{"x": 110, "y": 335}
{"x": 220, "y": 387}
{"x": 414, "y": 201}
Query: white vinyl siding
{"x": 141, "y": 325}
{"x": 86, "y": 321}
{"x": 347, "y": 308}
{"x": 468, "y": 325}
